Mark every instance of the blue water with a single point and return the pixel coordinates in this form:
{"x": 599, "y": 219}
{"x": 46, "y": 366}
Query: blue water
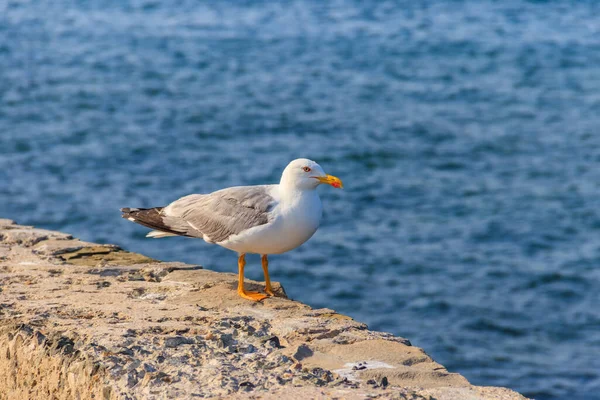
{"x": 466, "y": 133}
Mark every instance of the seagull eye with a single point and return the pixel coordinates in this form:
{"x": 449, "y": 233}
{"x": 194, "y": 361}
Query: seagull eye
{"x": 306, "y": 169}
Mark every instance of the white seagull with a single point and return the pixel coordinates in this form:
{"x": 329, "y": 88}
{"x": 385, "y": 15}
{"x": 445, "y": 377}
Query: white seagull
{"x": 262, "y": 219}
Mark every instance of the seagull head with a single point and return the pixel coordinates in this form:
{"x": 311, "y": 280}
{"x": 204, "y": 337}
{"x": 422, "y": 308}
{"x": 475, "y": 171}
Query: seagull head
{"x": 306, "y": 174}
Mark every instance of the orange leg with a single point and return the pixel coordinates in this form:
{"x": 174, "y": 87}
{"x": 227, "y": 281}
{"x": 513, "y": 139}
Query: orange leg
{"x": 265, "y": 265}
{"x": 243, "y": 293}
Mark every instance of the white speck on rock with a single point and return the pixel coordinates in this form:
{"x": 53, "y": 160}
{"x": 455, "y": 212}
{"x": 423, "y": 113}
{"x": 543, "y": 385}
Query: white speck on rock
{"x": 350, "y": 369}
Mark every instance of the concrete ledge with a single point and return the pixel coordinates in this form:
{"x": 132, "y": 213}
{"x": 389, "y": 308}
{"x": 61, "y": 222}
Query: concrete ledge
{"x": 83, "y": 320}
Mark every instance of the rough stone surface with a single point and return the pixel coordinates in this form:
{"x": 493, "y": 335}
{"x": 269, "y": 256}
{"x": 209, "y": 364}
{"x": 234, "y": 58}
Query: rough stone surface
{"x": 81, "y": 320}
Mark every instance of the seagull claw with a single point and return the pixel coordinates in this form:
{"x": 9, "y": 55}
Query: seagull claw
{"x": 254, "y": 296}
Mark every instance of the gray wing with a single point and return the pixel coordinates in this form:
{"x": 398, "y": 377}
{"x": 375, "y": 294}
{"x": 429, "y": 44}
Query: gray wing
{"x": 219, "y": 215}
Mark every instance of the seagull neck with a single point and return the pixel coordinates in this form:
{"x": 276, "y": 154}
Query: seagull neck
{"x": 290, "y": 193}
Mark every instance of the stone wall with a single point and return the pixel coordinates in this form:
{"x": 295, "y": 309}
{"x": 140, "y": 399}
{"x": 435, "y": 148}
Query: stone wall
{"x": 82, "y": 320}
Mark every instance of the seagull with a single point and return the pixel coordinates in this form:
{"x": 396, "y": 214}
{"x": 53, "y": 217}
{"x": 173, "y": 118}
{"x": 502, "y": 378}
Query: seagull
{"x": 261, "y": 219}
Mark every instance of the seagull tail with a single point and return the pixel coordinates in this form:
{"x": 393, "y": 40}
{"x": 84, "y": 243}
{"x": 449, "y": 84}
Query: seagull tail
{"x": 153, "y": 219}
{"x": 160, "y": 234}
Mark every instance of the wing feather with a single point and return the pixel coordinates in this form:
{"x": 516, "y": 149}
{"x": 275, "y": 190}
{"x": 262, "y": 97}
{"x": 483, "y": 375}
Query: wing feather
{"x": 219, "y": 215}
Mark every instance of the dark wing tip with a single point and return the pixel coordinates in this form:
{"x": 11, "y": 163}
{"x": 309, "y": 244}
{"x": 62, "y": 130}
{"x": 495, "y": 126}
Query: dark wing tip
{"x": 127, "y": 212}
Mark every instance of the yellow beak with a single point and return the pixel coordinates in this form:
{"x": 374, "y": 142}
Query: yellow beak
{"x": 331, "y": 180}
